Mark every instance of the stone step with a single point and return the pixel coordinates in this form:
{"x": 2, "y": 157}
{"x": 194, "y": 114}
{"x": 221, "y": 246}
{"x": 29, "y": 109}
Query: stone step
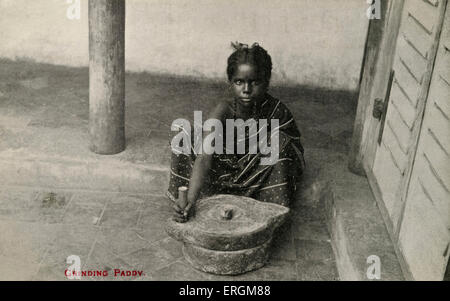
{"x": 101, "y": 174}
{"x": 358, "y": 233}
{"x": 355, "y": 224}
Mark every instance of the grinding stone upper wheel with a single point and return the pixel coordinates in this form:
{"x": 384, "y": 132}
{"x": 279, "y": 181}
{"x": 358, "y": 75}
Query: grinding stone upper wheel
{"x": 229, "y": 223}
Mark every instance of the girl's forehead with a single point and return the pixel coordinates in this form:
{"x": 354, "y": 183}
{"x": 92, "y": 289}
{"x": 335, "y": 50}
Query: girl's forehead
{"x": 246, "y": 67}
{"x": 246, "y": 70}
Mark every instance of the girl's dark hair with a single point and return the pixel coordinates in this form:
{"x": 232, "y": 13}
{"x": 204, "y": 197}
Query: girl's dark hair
{"x": 255, "y": 55}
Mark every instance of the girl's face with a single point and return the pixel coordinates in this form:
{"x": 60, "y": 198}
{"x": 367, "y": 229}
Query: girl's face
{"x": 246, "y": 85}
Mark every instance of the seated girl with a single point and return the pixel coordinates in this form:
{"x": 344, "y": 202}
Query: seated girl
{"x": 241, "y": 173}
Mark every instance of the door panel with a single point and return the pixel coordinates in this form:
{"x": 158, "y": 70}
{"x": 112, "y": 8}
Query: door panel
{"x": 415, "y": 35}
{"x": 406, "y": 83}
{"x": 425, "y": 230}
{"x": 424, "y": 12}
{"x": 403, "y": 106}
{"x": 423, "y": 238}
{"x": 411, "y": 59}
{"x": 390, "y": 142}
{"x": 435, "y": 189}
{"x": 390, "y": 180}
{"x": 413, "y": 62}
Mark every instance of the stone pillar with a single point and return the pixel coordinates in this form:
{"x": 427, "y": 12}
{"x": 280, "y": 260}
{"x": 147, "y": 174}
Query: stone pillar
{"x": 107, "y": 76}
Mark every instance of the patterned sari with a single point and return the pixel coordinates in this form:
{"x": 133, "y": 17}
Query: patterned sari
{"x": 243, "y": 174}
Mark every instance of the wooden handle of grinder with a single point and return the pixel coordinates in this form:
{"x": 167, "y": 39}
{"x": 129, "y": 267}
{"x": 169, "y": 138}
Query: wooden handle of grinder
{"x": 182, "y": 197}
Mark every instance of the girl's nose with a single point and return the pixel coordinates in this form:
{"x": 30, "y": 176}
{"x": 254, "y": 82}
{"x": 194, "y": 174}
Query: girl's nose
{"x": 246, "y": 88}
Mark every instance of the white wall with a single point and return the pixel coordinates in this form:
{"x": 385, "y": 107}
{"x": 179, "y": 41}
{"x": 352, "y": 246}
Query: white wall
{"x": 316, "y": 42}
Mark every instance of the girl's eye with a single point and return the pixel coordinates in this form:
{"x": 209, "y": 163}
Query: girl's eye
{"x": 256, "y": 83}
{"x": 238, "y": 82}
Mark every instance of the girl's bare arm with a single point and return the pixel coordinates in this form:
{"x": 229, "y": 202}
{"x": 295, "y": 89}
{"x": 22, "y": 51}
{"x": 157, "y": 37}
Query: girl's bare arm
{"x": 203, "y": 162}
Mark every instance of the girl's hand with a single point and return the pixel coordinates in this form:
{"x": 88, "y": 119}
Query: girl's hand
{"x": 178, "y": 214}
{"x": 189, "y": 211}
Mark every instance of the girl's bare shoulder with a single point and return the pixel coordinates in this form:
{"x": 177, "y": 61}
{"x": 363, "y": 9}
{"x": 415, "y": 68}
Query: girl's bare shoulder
{"x": 221, "y": 112}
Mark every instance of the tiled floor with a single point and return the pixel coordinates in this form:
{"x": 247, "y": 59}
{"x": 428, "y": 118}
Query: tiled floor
{"x": 44, "y": 112}
{"x": 40, "y": 229}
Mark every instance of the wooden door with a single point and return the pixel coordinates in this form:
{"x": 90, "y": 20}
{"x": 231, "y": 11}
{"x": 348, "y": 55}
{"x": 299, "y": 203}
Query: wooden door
{"x": 414, "y": 58}
{"x": 377, "y": 89}
{"x": 425, "y": 229}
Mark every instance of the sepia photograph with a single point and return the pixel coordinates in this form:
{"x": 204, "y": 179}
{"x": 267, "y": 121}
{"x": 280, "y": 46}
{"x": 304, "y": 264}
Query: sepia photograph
{"x": 231, "y": 141}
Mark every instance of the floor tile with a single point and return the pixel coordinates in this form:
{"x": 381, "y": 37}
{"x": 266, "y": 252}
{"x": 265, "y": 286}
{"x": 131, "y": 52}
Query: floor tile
{"x": 280, "y": 270}
{"x": 28, "y": 242}
{"x": 309, "y": 213}
{"x": 316, "y": 270}
{"x": 32, "y": 206}
{"x": 257, "y": 275}
{"x": 122, "y": 212}
{"x": 155, "y": 257}
{"x": 14, "y": 202}
{"x": 51, "y": 206}
{"x": 71, "y": 240}
{"x": 313, "y": 250}
{"x": 311, "y": 230}
{"x": 51, "y": 272}
{"x": 283, "y": 244}
{"x": 179, "y": 271}
{"x": 121, "y": 241}
{"x": 110, "y": 266}
{"x": 17, "y": 268}
{"x": 86, "y": 209}
{"x": 152, "y": 221}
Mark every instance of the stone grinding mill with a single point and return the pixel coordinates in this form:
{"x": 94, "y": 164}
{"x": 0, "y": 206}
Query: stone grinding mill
{"x": 229, "y": 235}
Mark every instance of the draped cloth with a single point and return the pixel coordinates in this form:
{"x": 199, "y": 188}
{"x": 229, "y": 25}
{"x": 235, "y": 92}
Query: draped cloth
{"x": 242, "y": 174}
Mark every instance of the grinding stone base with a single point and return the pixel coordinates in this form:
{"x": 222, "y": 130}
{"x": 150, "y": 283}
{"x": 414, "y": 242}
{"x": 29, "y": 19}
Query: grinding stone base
{"x": 227, "y": 262}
